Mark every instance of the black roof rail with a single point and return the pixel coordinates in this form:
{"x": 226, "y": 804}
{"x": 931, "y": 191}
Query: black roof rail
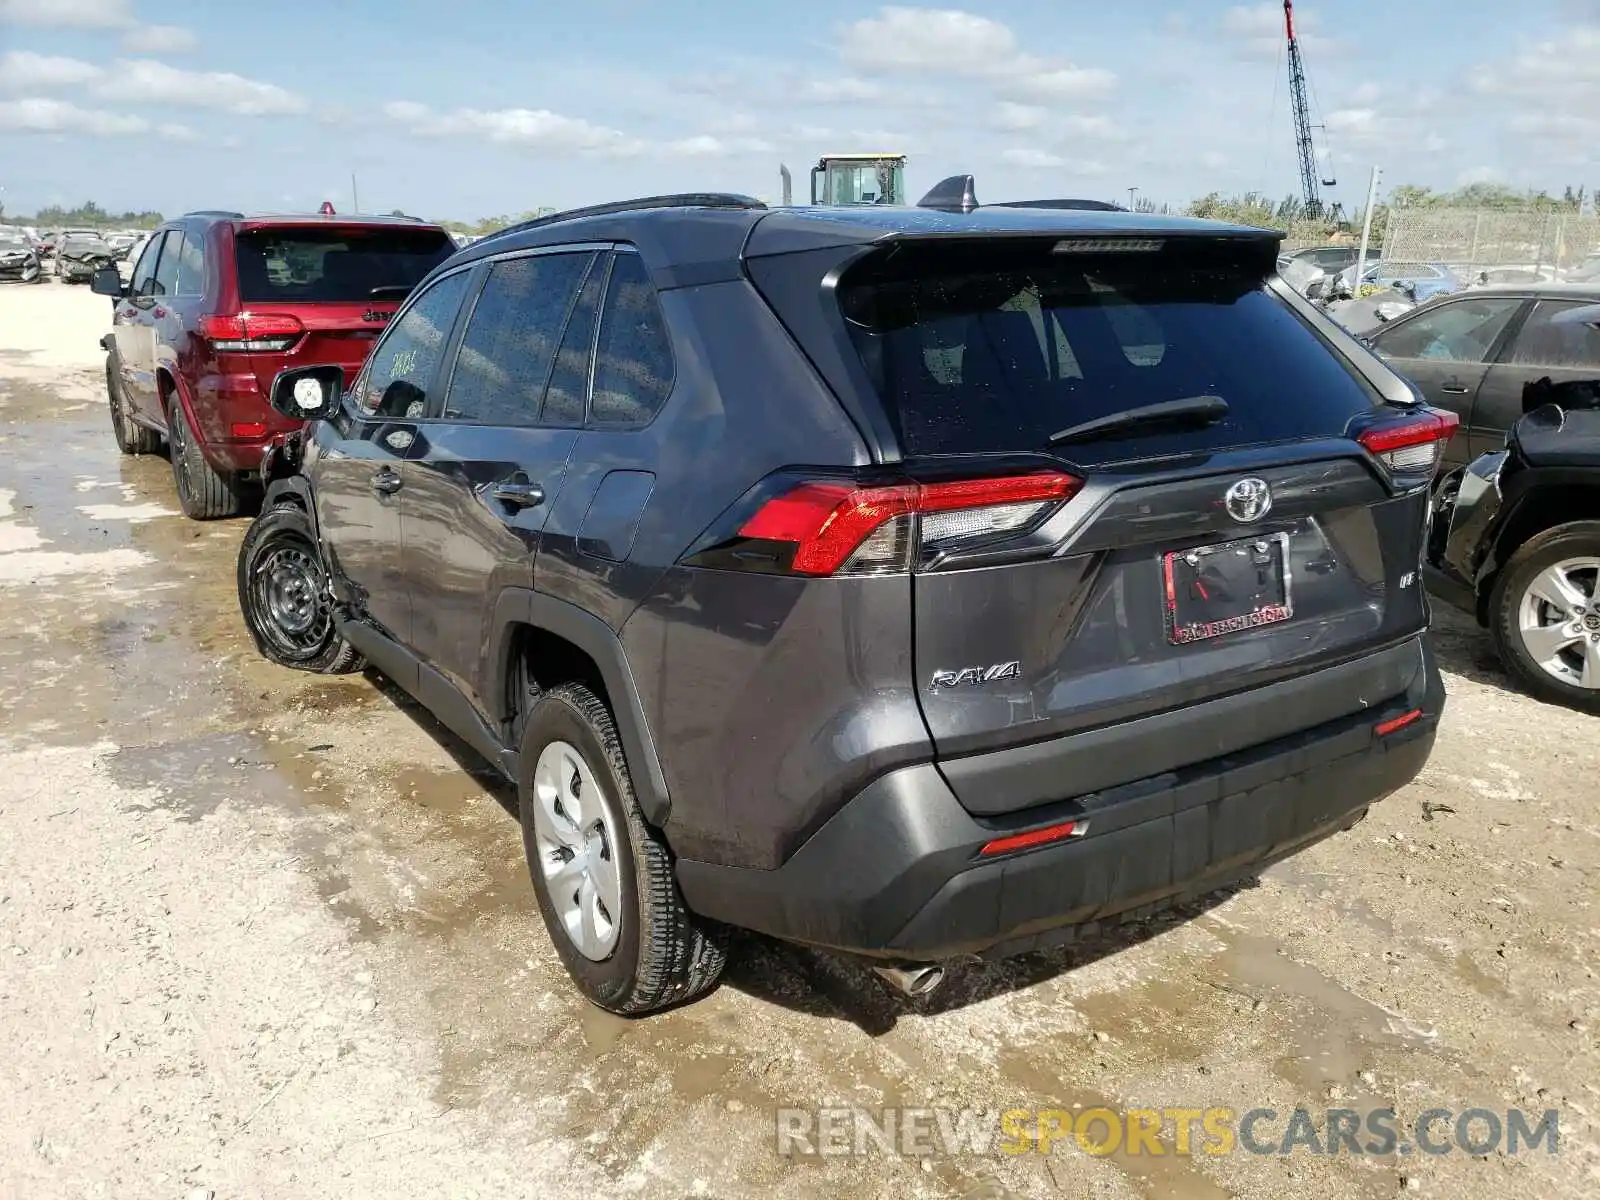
{"x": 675, "y": 200}
{"x": 955, "y": 194}
{"x": 1090, "y": 205}
{"x": 215, "y": 212}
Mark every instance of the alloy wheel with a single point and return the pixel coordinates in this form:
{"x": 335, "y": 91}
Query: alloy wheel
{"x": 1558, "y": 619}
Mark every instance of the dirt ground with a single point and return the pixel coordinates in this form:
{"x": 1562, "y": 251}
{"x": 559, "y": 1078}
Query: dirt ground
{"x": 269, "y": 935}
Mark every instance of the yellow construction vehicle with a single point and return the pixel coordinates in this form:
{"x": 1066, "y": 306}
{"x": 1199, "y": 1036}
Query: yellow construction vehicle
{"x": 854, "y": 179}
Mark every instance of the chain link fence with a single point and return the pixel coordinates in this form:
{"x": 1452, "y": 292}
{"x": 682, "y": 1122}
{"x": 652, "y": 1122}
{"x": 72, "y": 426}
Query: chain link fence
{"x": 1470, "y": 241}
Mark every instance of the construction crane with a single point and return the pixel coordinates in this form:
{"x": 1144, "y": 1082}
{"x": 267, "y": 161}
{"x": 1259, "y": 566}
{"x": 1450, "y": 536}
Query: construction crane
{"x": 1306, "y": 149}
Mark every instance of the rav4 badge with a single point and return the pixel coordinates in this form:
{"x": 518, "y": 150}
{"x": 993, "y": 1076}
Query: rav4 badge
{"x": 977, "y": 675}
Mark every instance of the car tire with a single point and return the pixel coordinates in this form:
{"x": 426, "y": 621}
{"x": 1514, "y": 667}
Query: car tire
{"x": 285, "y": 598}
{"x": 132, "y": 438}
{"x": 647, "y": 951}
{"x": 204, "y": 493}
{"x": 1520, "y": 607}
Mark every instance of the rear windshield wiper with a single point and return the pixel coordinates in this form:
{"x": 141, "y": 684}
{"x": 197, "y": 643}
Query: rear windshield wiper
{"x": 390, "y": 291}
{"x": 1191, "y": 410}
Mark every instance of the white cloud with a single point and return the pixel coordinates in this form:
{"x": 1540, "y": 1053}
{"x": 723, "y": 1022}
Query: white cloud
{"x": 75, "y": 14}
{"x": 1257, "y": 31}
{"x": 1089, "y": 127}
{"x": 159, "y": 39}
{"x": 24, "y": 71}
{"x": 174, "y": 132}
{"x": 534, "y": 128}
{"x": 1019, "y": 117}
{"x": 924, "y": 40}
{"x": 1027, "y": 156}
{"x": 1061, "y": 83}
{"x": 541, "y": 129}
{"x": 154, "y": 82}
{"x": 1474, "y": 175}
{"x": 1561, "y": 73}
{"x": 39, "y": 115}
{"x": 844, "y": 90}
{"x": 706, "y": 146}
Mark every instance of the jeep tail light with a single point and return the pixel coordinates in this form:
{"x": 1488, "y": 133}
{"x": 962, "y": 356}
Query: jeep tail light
{"x": 252, "y": 332}
{"x": 839, "y": 527}
{"x": 1414, "y": 446}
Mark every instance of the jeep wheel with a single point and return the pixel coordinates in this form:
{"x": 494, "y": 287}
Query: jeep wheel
{"x": 603, "y": 877}
{"x": 283, "y": 593}
{"x": 1544, "y": 615}
{"x": 204, "y": 492}
{"x": 132, "y": 438}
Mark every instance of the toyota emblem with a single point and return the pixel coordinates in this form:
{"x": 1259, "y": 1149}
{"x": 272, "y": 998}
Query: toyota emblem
{"x": 1248, "y": 500}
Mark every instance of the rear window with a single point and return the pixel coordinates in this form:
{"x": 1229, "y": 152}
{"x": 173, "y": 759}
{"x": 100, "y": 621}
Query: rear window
{"x": 350, "y": 265}
{"x": 993, "y": 349}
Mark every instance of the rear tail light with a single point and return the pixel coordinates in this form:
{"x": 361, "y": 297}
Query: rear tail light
{"x": 251, "y": 332}
{"x": 1414, "y": 446}
{"x": 838, "y": 527}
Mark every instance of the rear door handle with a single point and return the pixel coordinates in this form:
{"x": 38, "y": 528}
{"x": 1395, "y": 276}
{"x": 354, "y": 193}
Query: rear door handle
{"x": 1454, "y": 386}
{"x": 517, "y": 494}
{"x": 386, "y": 482}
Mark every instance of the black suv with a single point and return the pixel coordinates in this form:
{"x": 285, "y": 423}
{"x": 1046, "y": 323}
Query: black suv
{"x": 915, "y": 583}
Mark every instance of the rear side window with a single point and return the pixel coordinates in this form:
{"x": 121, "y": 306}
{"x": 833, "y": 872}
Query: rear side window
{"x": 1456, "y": 331}
{"x": 191, "y": 266}
{"x": 1561, "y": 333}
{"x": 510, "y": 341}
{"x": 569, "y": 379}
{"x": 167, "y": 268}
{"x": 349, "y": 265}
{"x": 633, "y": 362}
{"x": 986, "y": 348}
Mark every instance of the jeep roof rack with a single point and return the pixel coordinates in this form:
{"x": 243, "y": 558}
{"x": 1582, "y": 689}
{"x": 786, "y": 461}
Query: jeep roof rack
{"x": 215, "y": 212}
{"x": 674, "y": 200}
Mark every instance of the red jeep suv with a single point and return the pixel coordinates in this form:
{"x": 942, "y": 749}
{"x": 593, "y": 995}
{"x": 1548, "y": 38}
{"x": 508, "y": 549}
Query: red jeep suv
{"x": 218, "y": 304}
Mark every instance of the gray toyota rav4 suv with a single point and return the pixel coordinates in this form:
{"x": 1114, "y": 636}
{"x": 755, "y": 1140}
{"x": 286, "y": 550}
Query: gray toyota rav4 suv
{"x": 916, "y": 583}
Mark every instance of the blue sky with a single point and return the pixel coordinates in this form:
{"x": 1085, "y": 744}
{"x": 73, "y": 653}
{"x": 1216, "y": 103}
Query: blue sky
{"x": 472, "y": 108}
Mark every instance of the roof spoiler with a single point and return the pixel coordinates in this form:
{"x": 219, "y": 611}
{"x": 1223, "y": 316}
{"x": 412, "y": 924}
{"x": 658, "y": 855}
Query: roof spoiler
{"x": 959, "y": 194}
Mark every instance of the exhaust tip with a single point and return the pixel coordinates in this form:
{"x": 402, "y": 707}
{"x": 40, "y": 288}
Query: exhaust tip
{"x": 912, "y": 981}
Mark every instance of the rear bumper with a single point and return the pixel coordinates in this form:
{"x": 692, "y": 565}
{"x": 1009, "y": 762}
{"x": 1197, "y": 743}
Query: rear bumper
{"x": 896, "y": 873}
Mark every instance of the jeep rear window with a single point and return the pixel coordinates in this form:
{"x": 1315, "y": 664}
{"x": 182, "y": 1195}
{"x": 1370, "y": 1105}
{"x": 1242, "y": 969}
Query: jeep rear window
{"x": 988, "y": 347}
{"x": 352, "y": 264}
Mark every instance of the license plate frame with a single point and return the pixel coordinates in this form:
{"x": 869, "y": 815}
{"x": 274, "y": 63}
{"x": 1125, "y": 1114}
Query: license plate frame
{"x": 1183, "y": 569}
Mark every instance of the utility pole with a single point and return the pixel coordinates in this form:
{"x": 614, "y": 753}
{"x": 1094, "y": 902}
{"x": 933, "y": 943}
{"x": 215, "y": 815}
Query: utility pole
{"x": 1366, "y": 230}
{"x": 355, "y": 199}
{"x": 1131, "y": 191}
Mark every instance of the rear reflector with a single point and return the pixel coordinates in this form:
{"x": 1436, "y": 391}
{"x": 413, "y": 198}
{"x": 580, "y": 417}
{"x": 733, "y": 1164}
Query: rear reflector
{"x": 252, "y": 332}
{"x": 1414, "y": 446}
{"x": 250, "y": 429}
{"x": 1393, "y": 724}
{"x": 1035, "y": 837}
{"x": 838, "y": 527}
